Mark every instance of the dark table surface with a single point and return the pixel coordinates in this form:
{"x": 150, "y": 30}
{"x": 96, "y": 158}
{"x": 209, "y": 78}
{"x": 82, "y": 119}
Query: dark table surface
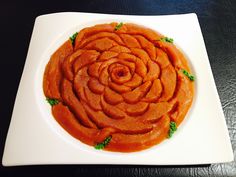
{"x": 218, "y": 23}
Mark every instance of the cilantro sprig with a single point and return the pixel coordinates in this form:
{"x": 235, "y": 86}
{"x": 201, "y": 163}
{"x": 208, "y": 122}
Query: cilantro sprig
{"x": 118, "y": 26}
{"x": 190, "y": 76}
{"x": 52, "y": 101}
{"x": 103, "y": 144}
{"x": 166, "y": 39}
{"x": 73, "y": 37}
{"x": 173, "y": 129}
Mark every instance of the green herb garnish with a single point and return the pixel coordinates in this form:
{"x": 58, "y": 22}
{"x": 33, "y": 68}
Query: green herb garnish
{"x": 52, "y": 101}
{"x": 190, "y": 76}
{"x": 166, "y": 39}
{"x": 103, "y": 144}
{"x": 173, "y": 128}
{"x": 73, "y": 37}
{"x": 118, "y": 26}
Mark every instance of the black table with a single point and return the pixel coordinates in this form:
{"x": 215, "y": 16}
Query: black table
{"x": 218, "y": 24}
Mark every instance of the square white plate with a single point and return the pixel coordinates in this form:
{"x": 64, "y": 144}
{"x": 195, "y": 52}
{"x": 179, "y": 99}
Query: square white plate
{"x": 34, "y": 137}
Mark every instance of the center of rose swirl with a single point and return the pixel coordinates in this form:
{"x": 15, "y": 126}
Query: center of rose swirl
{"x": 120, "y": 74}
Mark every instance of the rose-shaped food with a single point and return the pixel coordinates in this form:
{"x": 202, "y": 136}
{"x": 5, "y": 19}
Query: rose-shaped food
{"x": 125, "y": 83}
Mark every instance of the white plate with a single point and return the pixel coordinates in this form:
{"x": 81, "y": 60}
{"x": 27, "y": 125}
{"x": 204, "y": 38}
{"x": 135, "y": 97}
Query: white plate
{"x": 34, "y": 137}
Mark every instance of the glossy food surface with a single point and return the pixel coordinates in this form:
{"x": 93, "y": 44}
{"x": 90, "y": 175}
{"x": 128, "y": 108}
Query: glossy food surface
{"x": 118, "y": 80}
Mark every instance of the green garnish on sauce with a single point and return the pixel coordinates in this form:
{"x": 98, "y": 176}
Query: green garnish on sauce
{"x": 190, "y": 76}
{"x": 103, "y": 144}
{"x": 118, "y": 26}
{"x": 52, "y": 101}
{"x": 173, "y": 128}
{"x": 166, "y": 39}
{"x": 73, "y": 37}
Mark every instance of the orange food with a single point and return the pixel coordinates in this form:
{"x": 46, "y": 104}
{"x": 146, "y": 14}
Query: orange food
{"x": 123, "y": 83}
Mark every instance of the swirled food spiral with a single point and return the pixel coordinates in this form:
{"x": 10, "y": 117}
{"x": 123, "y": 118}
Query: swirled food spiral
{"x": 124, "y": 82}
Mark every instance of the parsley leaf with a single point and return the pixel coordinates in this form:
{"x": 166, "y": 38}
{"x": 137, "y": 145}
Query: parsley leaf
{"x": 118, "y": 26}
{"x": 52, "y": 101}
{"x": 103, "y": 144}
{"x": 173, "y": 128}
{"x": 190, "y": 76}
{"x": 73, "y": 37}
{"x": 166, "y": 39}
